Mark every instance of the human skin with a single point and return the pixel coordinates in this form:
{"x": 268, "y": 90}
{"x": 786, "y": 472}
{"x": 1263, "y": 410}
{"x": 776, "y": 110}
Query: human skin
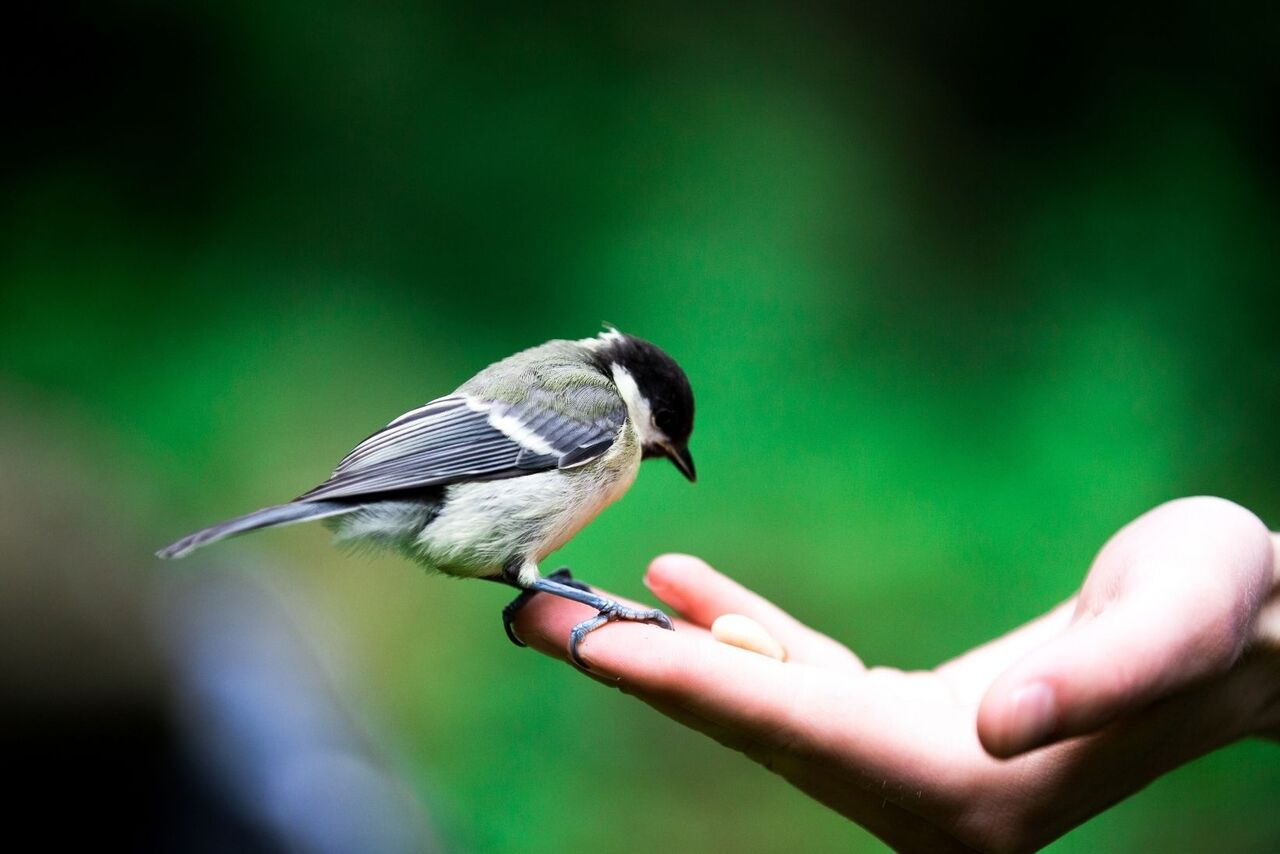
{"x": 1171, "y": 649}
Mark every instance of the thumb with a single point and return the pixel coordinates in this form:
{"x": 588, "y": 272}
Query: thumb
{"x": 1170, "y": 599}
{"x": 1104, "y": 665}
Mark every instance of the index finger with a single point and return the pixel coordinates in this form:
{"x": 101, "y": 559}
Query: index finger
{"x": 762, "y": 706}
{"x": 728, "y": 685}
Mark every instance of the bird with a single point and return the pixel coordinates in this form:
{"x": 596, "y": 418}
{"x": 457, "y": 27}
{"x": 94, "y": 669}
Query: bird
{"x": 488, "y": 481}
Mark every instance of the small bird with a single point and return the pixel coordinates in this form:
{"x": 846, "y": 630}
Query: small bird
{"x": 488, "y": 481}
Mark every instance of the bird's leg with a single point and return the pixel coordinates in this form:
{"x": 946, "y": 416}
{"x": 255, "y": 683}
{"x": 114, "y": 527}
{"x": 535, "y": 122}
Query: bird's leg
{"x": 562, "y": 575}
{"x": 561, "y": 583}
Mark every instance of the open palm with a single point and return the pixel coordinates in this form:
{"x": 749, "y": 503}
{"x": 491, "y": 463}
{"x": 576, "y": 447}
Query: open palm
{"x": 1170, "y": 650}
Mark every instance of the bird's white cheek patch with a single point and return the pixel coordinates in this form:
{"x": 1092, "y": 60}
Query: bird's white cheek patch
{"x": 638, "y": 409}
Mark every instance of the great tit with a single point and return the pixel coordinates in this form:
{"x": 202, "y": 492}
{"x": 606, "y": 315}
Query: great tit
{"x": 489, "y": 480}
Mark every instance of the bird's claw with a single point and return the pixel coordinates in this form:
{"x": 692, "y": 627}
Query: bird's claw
{"x": 613, "y": 611}
{"x": 563, "y": 584}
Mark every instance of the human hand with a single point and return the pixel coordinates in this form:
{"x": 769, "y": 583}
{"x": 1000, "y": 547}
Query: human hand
{"x": 1170, "y": 650}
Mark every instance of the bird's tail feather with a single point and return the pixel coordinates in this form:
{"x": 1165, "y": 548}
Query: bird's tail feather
{"x": 283, "y": 514}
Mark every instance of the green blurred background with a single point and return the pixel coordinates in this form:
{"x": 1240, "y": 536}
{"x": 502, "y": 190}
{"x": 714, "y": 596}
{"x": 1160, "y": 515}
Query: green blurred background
{"x": 959, "y": 292}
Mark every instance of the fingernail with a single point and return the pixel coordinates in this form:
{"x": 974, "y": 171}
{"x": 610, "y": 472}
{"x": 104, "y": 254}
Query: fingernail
{"x": 1035, "y": 716}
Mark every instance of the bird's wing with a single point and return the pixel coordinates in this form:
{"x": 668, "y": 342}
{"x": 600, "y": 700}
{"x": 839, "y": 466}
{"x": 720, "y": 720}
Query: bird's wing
{"x": 460, "y": 438}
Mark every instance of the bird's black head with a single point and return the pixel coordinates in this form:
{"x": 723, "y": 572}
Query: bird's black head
{"x": 657, "y": 393}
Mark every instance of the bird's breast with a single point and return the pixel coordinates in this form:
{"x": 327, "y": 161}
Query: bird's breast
{"x": 591, "y": 489}
{"x": 483, "y": 525}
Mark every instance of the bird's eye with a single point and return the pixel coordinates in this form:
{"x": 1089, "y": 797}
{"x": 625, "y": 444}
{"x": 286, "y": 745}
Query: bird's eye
{"x": 664, "y": 419}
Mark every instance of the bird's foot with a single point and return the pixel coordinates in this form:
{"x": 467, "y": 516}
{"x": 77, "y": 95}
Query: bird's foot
{"x": 513, "y": 608}
{"x": 608, "y": 613}
{"x": 561, "y": 583}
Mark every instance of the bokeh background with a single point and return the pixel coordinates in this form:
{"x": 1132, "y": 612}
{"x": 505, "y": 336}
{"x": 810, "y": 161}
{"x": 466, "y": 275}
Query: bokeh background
{"x": 960, "y": 292}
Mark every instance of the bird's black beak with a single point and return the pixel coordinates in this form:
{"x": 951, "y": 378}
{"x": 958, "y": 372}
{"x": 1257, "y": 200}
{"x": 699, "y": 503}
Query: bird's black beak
{"x": 683, "y": 460}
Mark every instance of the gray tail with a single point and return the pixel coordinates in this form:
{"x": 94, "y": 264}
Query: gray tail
{"x": 284, "y": 514}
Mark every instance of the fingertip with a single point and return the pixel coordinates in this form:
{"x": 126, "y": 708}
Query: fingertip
{"x": 1017, "y": 720}
{"x": 670, "y": 569}
{"x": 670, "y": 577}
